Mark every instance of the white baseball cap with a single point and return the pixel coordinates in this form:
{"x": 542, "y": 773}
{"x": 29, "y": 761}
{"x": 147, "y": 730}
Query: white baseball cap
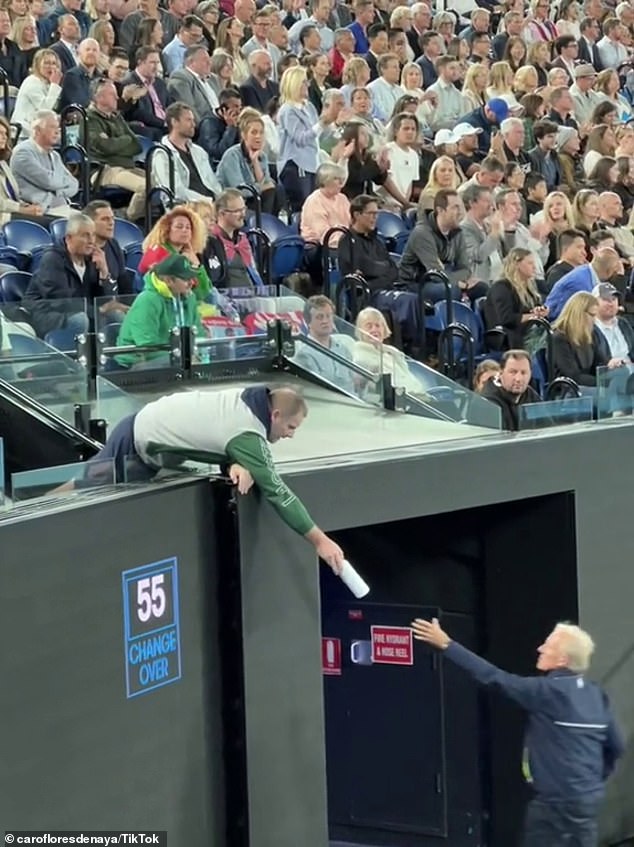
{"x": 446, "y": 136}
{"x": 466, "y": 129}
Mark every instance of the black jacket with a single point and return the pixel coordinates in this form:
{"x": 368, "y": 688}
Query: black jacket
{"x": 76, "y": 87}
{"x": 56, "y": 290}
{"x": 14, "y": 63}
{"x": 367, "y": 255}
{"x": 257, "y": 97}
{"x": 628, "y": 333}
{"x": 217, "y": 137}
{"x": 428, "y": 249}
{"x": 504, "y": 308}
{"x": 578, "y": 363}
{"x": 430, "y": 75}
{"x": 509, "y": 403}
{"x": 538, "y": 157}
{"x": 143, "y": 110}
{"x": 556, "y": 272}
{"x": 315, "y": 96}
{"x": 589, "y": 53}
{"x": 64, "y": 55}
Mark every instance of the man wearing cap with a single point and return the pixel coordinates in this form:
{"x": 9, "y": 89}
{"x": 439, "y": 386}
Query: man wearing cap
{"x": 486, "y": 118}
{"x": 230, "y": 427}
{"x": 614, "y": 331}
{"x": 166, "y": 302}
{"x": 584, "y": 98}
{"x": 605, "y": 264}
{"x": 468, "y": 156}
{"x": 449, "y": 100}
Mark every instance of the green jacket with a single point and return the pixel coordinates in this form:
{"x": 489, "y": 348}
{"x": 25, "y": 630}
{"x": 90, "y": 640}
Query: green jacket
{"x": 119, "y": 147}
{"x": 151, "y": 318}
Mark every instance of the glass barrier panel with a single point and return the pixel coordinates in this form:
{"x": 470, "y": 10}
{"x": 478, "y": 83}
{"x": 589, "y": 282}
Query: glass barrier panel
{"x": 43, "y": 368}
{"x": 550, "y": 413}
{"x": 614, "y": 394}
{"x": 135, "y": 471}
{"x": 113, "y": 403}
{"x": 61, "y": 480}
{"x": 2, "y": 472}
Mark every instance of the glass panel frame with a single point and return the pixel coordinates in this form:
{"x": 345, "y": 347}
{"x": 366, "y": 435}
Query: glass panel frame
{"x": 56, "y": 476}
{"x": 553, "y": 413}
{"x": 614, "y": 393}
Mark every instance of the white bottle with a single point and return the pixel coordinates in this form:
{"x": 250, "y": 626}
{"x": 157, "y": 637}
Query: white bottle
{"x": 353, "y": 580}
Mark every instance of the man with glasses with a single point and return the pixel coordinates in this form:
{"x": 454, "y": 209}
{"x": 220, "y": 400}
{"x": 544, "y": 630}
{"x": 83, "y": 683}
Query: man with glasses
{"x": 241, "y": 268}
{"x": 262, "y": 25}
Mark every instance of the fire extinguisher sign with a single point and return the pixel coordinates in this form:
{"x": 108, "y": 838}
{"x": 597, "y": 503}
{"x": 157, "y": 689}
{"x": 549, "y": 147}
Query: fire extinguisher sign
{"x": 331, "y": 656}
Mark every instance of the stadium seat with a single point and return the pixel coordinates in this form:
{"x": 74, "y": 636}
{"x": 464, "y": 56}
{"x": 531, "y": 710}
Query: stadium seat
{"x": 26, "y": 236}
{"x": 61, "y": 339}
{"x": 57, "y": 229}
{"x": 393, "y": 230}
{"x": 146, "y": 146}
{"x": 127, "y": 233}
{"x": 13, "y": 286}
{"x": 287, "y": 247}
{"x": 133, "y": 257}
{"x": 25, "y": 345}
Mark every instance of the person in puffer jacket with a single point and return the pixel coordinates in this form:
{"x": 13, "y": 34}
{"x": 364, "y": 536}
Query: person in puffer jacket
{"x": 167, "y": 301}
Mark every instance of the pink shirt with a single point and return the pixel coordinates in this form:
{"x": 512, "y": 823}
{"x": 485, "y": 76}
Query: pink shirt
{"x": 319, "y": 213}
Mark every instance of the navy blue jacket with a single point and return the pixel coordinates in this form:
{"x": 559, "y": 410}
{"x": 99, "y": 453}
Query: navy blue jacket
{"x": 479, "y": 120}
{"x": 76, "y": 87}
{"x": 572, "y": 739}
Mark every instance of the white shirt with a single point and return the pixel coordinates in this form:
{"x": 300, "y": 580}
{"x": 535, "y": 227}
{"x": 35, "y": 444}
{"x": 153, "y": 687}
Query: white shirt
{"x": 384, "y": 97}
{"x": 404, "y": 167}
{"x": 611, "y": 53}
{"x": 615, "y": 338}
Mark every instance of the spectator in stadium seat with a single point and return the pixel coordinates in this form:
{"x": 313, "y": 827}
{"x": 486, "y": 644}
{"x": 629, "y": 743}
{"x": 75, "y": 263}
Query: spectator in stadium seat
{"x": 220, "y": 132}
{"x": 576, "y": 348}
{"x": 148, "y": 10}
{"x": 190, "y": 34}
{"x": 510, "y": 388}
{"x": 486, "y": 118}
{"x": 40, "y": 90}
{"x": 112, "y": 143}
{"x": 12, "y": 58}
{"x": 514, "y": 299}
{"x": 101, "y": 214}
{"x": 437, "y": 244}
{"x": 568, "y": 756}
{"x": 617, "y": 331}
{"x": 10, "y": 206}
{"x": 78, "y": 80}
{"x": 604, "y": 265}
{"x": 386, "y": 88}
{"x": 485, "y": 370}
{"x": 482, "y": 232}
{"x": 168, "y": 431}
{"x": 327, "y": 206}
{"x": 42, "y": 177}
{"x": 259, "y": 41}
{"x": 572, "y": 254}
{"x": 259, "y": 88}
{"x": 319, "y": 315}
{"x": 320, "y": 13}
{"x": 179, "y": 231}
{"x": 361, "y": 251}
{"x": 364, "y": 167}
{"x": 167, "y": 301}
{"x": 190, "y": 84}
{"x": 68, "y": 279}
{"x": 247, "y": 164}
{"x": 149, "y": 109}
{"x": 213, "y": 256}
{"x": 241, "y": 268}
{"x": 193, "y": 176}
{"x": 229, "y": 39}
{"x": 66, "y": 46}
{"x": 65, "y": 9}
{"x": 544, "y": 158}
{"x": 340, "y": 54}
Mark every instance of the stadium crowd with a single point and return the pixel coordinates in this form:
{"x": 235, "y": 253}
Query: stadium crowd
{"x": 501, "y": 135}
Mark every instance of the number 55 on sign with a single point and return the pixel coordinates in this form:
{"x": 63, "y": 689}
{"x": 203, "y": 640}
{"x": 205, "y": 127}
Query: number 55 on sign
{"x": 151, "y": 626}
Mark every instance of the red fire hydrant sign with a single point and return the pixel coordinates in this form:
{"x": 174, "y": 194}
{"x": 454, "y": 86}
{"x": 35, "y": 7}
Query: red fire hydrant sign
{"x": 392, "y": 645}
{"x": 331, "y": 656}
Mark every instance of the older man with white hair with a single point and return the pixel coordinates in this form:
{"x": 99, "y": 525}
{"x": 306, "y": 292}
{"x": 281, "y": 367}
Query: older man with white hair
{"x": 572, "y": 740}
{"x": 42, "y": 177}
{"x": 512, "y": 132}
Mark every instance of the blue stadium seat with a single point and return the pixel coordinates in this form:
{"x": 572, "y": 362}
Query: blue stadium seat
{"x": 133, "y": 257}
{"x": 286, "y": 245}
{"x": 61, "y": 339}
{"x": 146, "y": 146}
{"x": 26, "y": 236}
{"x": 13, "y": 286}
{"x": 25, "y": 345}
{"x": 57, "y": 228}
{"x": 127, "y": 233}
{"x": 393, "y": 230}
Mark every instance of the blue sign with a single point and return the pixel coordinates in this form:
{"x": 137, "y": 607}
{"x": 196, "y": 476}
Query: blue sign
{"x": 151, "y": 627}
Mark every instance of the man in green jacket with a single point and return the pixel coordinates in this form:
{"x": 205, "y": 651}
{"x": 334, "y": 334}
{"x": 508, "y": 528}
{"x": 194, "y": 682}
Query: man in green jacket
{"x": 231, "y": 426}
{"x": 112, "y": 143}
{"x": 167, "y": 301}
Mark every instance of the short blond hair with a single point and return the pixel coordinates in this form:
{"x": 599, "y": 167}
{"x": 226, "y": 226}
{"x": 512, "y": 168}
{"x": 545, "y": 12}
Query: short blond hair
{"x": 291, "y": 85}
{"x": 577, "y": 645}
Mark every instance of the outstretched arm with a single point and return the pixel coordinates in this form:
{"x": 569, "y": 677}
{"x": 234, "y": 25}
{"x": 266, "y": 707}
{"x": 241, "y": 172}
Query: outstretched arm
{"x": 525, "y": 690}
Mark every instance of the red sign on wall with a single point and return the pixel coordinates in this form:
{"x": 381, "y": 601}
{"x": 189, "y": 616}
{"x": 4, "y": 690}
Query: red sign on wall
{"x": 331, "y": 656}
{"x": 392, "y": 645}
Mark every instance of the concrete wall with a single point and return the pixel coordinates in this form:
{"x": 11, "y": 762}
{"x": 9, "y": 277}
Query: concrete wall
{"x": 281, "y": 614}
